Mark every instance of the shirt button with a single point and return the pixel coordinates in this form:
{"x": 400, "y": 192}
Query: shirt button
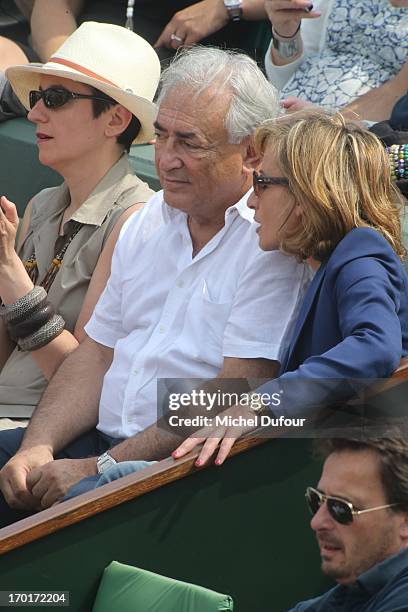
{"x": 180, "y": 284}
{"x": 162, "y": 329}
{"x": 136, "y": 371}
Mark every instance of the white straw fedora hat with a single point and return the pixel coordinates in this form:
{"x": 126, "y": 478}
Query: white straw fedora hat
{"x": 111, "y": 58}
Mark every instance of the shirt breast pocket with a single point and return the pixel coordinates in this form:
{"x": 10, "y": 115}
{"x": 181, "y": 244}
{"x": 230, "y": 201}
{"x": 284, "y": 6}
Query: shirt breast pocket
{"x": 205, "y": 326}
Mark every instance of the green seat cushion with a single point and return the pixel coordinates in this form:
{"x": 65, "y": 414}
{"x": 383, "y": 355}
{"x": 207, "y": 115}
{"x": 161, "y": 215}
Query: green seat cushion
{"x": 131, "y": 589}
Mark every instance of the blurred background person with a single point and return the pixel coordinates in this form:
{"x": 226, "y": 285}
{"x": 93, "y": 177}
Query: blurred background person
{"x": 166, "y": 25}
{"x": 339, "y": 53}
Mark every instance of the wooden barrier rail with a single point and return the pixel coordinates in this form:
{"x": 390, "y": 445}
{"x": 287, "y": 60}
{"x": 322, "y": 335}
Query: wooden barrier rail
{"x": 242, "y": 528}
{"x": 124, "y": 489}
{"x": 127, "y": 488}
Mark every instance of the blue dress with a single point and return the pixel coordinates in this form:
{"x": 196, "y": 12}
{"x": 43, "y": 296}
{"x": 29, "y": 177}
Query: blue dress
{"x": 366, "y": 44}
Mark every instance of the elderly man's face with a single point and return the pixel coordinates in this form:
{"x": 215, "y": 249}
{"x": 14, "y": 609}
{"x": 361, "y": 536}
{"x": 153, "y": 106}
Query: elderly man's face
{"x": 349, "y": 550}
{"x": 200, "y": 171}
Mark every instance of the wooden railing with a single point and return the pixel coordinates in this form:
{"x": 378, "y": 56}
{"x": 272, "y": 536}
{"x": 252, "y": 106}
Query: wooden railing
{"x": 101, "y": 499}
{"x": 125, "y": 489}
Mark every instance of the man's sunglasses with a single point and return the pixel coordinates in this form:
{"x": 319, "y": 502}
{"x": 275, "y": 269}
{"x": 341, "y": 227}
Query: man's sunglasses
{"x": 260, "y": 182}
{"x": 341, "y": 510}
{"x": 55, "y": 97}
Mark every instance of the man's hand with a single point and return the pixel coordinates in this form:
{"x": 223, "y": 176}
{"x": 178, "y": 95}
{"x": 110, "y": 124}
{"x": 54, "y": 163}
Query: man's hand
{"x": 50, "y": 483}
{"x": 193, "y": 23}
{"x": 223, "y": 436}
{"x": 14, "y": 475}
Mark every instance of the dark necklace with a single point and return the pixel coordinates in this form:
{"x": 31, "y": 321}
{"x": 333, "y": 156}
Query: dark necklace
{"x": 31, "y": 263}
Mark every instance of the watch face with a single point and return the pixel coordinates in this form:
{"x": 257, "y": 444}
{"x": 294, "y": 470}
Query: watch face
{"x": 233, "y": 4}
{"x": 234, "y": 8}
{"x": 104, "y": 462}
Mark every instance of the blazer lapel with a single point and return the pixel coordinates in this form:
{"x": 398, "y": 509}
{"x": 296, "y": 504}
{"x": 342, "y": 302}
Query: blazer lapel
{"x": 304, "y": 311}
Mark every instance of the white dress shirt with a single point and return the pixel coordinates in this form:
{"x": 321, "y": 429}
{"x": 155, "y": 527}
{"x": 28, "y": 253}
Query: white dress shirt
{"x": 169, "y": 315}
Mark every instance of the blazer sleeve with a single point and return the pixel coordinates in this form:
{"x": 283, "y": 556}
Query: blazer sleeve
{"x": 367, "y": 294}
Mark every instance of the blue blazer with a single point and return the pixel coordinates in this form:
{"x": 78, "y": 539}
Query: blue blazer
{"x": 354, "y": 319}
{"x": 353, "y": 323}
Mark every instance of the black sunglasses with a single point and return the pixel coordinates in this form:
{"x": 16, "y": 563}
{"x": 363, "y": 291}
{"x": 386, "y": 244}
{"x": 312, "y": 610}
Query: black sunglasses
{"x": 341, "y": 510}
{"x": 55, "y": 97}
{"x": 260, "y": 181}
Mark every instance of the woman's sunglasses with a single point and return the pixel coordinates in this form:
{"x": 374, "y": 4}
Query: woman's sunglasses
{"x": 341, "y": 510}
{"x": 260, "y": 182}
{"x": 55, "y": 97}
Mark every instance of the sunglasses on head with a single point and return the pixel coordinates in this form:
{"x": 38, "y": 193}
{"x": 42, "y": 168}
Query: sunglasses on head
{"x": 55, "y": 97}
{"x": 260, "y": 182}
{"x": 341, "y": 510}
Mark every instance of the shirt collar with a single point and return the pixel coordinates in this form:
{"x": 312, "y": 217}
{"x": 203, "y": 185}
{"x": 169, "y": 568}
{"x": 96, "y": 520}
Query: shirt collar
{"x": 374, "y": 579}
{"x": 240, "y": 207}
{"x": 97, "y": 205}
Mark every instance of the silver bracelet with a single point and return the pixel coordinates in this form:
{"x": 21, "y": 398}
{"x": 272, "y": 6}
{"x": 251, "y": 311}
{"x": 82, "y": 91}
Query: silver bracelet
{"x": 44, "y": 335}
{"x": 23, "y": 305}
{"x": 287, "y": 47}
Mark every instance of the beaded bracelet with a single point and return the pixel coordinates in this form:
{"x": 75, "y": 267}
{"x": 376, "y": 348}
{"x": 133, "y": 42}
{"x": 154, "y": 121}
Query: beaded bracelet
{"x": 398, "y": 156}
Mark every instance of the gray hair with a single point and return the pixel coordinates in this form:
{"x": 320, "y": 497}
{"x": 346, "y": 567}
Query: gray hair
{"x": 254, "y": 98}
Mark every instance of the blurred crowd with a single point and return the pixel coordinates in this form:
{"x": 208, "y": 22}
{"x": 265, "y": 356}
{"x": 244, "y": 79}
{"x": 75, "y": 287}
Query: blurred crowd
{"x": 336, "y": 53}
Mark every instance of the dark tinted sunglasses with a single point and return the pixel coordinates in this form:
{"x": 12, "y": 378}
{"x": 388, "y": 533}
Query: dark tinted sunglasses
{"x": 341, "y": 510}
{"x": 55, "y": 97}
{"x": 260, "y": 182}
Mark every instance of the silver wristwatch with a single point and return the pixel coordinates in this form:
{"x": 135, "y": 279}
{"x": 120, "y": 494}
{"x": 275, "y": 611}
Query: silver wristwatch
{"x": 234, "y": 9}
{"x": 104, "y": 462}
{"x": 287, "y": 47}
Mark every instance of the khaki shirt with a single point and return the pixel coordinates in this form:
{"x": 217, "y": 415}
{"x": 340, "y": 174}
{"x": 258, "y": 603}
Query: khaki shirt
{"x": 21, "y": 381}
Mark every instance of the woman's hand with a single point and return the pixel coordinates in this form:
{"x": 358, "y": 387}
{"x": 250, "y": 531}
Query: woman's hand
{"x": 220, "y": 435}
{"x": 286, "y": 15}
{"x": 14, "y": 280}
{"x": 8, "y": 230}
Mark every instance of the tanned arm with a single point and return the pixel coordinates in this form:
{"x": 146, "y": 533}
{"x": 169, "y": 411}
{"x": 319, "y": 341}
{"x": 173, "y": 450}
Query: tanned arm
{"x": 156, "y": 442}
{"x": 377, "y": 104}
{"x": 51, "y": 23}
{"x": 69, "y": 408}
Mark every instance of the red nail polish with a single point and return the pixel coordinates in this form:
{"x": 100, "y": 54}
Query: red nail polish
{"x": 217, "y": 462}
{"x": 198, "y": 463}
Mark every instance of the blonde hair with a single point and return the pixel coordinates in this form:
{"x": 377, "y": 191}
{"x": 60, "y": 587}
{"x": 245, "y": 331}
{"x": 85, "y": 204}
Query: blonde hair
{"x": 339, "y": 173}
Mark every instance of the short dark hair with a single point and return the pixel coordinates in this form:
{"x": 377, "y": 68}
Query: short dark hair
{"x": 100, "y": 106}
{"x": 392, "y": 451}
